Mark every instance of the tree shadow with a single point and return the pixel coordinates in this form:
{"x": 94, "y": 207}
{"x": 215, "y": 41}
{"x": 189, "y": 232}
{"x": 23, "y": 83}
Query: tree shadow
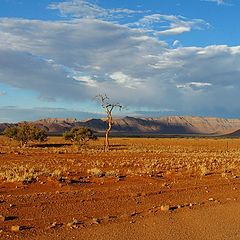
{"x": 52, "y": 145}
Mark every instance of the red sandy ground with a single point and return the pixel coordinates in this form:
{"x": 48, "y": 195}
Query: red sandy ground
{"x": 128, "y": 207}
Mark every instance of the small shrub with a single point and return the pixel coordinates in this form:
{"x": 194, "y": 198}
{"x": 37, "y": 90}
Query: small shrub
{"x": 19, "y": 174}
{"x": 96, "y": 172}
{"x": 204, "y": 170}
{"x": 112, "y": 173}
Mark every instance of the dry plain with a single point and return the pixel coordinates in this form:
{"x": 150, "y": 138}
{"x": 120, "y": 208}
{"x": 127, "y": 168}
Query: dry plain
{"x": 143, "y": 188}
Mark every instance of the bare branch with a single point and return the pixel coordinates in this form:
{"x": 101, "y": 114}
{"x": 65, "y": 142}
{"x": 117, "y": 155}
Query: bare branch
{"x": 108, "y": 108}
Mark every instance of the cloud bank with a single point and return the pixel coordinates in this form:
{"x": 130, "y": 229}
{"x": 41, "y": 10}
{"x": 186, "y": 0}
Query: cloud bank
{"x": 76, "y": 59}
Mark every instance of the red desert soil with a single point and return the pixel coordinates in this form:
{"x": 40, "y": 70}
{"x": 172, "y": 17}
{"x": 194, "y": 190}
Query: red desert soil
{"x": 140, "y": 189}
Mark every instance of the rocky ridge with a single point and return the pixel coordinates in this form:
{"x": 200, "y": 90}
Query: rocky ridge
{"x": 142, "y": 126}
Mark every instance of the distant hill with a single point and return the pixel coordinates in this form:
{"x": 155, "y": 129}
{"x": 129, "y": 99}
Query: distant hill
{"x": 145, "y": 126}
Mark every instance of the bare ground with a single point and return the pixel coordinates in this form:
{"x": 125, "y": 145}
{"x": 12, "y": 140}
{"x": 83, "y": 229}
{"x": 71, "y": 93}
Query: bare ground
{"x": 170, "y": 200}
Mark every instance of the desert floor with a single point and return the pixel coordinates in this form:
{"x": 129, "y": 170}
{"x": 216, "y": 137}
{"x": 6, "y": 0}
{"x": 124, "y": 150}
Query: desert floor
{"x": 179, "y": 188}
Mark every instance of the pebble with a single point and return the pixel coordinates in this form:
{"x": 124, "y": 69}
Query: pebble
{"x": 95, "y": 221}
{"x": 15, "y": 228}
{"x": 165, "y": 208}
{"x": 53, "y": 225}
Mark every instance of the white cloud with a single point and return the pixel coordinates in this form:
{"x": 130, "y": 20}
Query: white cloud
{"x": 125, "y": 80}
{"x": 194, "y": 85}
{"x": 158, "y": 24}
{"x": 161, "y": 24}
{"x": 219, "y": 2}
{"x": 79, "y": 8}
{"x": 86, "y": 80}
{"x": 176, "y": 43}
{"x": 76, "y": 59}
{"x": 86, "y": 9}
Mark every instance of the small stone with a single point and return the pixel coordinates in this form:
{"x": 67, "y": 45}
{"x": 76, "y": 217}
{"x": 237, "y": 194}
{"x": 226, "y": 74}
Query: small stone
{"x": 53, "y": 225}
{"x": 96, "y": 221}
{"x": 165, "y": 208}
{"x": 133, "y": 214}
{"x": 15, "y": 228}
{"x": 211, "y": 199}
{"x": 2, "y": 218}
{"x": 74, "y": 223}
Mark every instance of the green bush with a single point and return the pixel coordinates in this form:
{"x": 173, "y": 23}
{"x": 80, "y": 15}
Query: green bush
{"x": 25, "y": 132}
{"x": 79, "y": 135}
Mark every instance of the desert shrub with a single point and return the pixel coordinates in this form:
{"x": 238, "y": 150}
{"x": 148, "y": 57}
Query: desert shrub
{"x": 79, "y": 135}
{"x": 25, "y": 132}
{"x": 19, "y": 174}
{"x": 96, "y": 172}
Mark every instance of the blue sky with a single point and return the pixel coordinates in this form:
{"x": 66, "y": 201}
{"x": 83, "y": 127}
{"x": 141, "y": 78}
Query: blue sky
{"x": 175, "y": 57}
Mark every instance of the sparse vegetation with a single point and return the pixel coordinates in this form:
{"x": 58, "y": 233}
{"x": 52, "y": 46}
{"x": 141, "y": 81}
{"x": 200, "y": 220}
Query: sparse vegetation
{"x": 28, "y": 174}
{"x": 64, "y": 185}
{"x": 139, "y": 157}
{"x": 96, "y": 172}
{"x": 19, "y": 174}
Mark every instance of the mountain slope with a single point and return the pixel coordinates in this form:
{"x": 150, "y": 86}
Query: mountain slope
{"x": 132, "y": 125}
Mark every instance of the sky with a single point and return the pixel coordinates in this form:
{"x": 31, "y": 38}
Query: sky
{"x": 156, "y": 58}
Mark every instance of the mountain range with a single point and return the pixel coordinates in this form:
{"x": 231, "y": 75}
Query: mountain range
{"x": 174, "y": 125}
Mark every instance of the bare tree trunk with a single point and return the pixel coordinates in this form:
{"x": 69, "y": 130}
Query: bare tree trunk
{"x": 108, "y": 107}
{"x": 108, "y": 131}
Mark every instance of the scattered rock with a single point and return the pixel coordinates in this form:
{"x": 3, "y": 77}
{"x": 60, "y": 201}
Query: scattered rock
{"x": 95, "y": 220}
{"x": 110, "y": 218}
{"x": 74, "y": 224}
{"x": 165, "y": 208}
{"x": 16, "y": 228}
{"x": 211, "y": 199}
{"x": 54, "y": 225}
{"x": 133, "y": 214}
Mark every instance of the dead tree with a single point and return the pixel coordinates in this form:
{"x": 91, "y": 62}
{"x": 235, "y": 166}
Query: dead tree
{"x": 108, "y": 108}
